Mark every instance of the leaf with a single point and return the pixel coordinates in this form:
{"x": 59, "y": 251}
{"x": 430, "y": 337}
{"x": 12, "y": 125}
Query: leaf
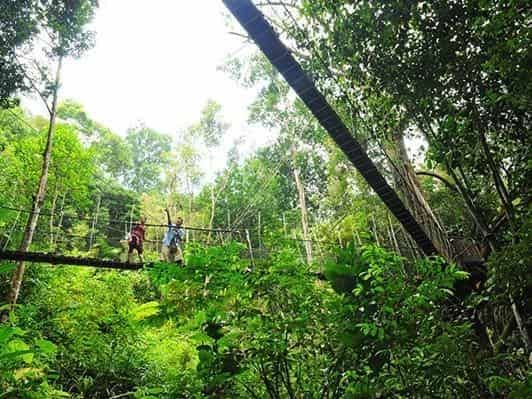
{"x": 26, "y": 355}
{"x": 7, "y": 332}
{"x": 461, "y": 275}
{"x": 378, "y": 289}
{"x": 155, "y": 391}
{"x": 7, "y": 267}
{"x": 30, "y": 373}
{"x": 387, "y": 309}
{"x": 60, "y": 394}
{"x": 145, "y": 310}
{"x": 18, "y": 348}
{"x": 47, "y": 347}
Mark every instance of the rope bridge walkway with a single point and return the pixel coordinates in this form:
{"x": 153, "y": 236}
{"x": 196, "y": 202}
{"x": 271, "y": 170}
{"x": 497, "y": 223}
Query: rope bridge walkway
{"x": 54, "y": 259}
{"x": 62, "y": 239}
{"x": 104, "y": 232}
{"x": 100, "y": 239}
{"x": 87, "y": 244}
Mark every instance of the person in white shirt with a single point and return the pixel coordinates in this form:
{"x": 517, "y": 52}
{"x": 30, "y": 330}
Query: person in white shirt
{"x": 172, "y": 250}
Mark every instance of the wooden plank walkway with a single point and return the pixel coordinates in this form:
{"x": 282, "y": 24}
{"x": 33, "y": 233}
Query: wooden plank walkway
{"x": 54, "y": 259}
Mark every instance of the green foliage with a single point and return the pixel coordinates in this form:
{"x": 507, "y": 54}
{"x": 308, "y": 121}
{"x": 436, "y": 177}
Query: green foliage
{"x": 17, "y": 27}
{"x": 92, "y": 318}
{"x": 511, "y": 268}
{"x": 402, "y": 341}
{"x": 25, "y": 365}
{"x": 22, "y": 24}
{"x": 150, "y": 154}
{"x": 226, "y": 326}
{"x": 113, "y": 153}
{"x": 210, "y": 128}
{"x": 218, "y": 328}
{"x": 342, "y": 272}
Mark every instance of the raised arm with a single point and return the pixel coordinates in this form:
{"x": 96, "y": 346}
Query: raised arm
{"x": 168, "y": 216}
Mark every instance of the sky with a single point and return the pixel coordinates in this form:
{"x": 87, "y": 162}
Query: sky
{"x": 155, "y": 62}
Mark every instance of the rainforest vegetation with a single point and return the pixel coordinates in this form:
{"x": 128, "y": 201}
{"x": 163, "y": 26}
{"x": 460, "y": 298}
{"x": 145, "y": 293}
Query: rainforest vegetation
{"x": 299, "y": 282}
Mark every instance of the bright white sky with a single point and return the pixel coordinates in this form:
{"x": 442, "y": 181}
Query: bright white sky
{"x": 156, "y": 61}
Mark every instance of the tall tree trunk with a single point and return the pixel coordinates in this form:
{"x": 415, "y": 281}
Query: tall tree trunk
{"x": 409, "y": 186}
{"x": 31, "y": 224}
{"x": 375, "y": 234}
{"x": 497, "y": 180}
{"x": 304, "y": 214}
{"x": 259, "y": 230}
{"x": 52, "y": 212}
{"x": 500, "y": 187}
{"x": 214, "y": 199}
{"x": 190, "y": 195}
{"x": 393, "y": 236}
{"x": 475, "y": 214}
{"x": 462, "y": 187}
{"x": 520, "y": 325}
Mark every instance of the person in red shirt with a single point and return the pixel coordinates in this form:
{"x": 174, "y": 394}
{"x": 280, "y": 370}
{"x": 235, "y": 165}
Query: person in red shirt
{"x": 136, "y": 238}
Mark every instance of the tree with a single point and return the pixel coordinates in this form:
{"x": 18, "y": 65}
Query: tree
{"x": 149, "y": 151}
{"x": 64, "y": 25}
{"x": 18, "y": 25}
{"x": 299, "y": 133}
{"x": 113, "y": 152}
{"x": 210, "y": 130}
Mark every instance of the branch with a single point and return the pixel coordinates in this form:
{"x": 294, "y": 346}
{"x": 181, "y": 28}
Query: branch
{"x": 34, "y": 86}
{"x": 249, "y": 390}
{"x": 497, "y": 222}
{"x": 504, "y": 334}
{"x": 22, "y": 121}
{"x": 224, "y": 182}
{"x": 446, "y": 182}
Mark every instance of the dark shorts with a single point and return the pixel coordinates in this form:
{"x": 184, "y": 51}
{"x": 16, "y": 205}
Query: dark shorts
{"x": 135, "y": 243}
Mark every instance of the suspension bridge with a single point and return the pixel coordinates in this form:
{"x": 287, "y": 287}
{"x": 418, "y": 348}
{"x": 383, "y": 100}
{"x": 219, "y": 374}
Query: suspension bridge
{"x": 89, "y": 239}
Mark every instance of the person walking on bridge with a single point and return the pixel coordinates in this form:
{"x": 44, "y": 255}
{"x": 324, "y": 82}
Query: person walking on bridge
{"x": 135, "y": 240}
{"x": 172, "y": 250}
